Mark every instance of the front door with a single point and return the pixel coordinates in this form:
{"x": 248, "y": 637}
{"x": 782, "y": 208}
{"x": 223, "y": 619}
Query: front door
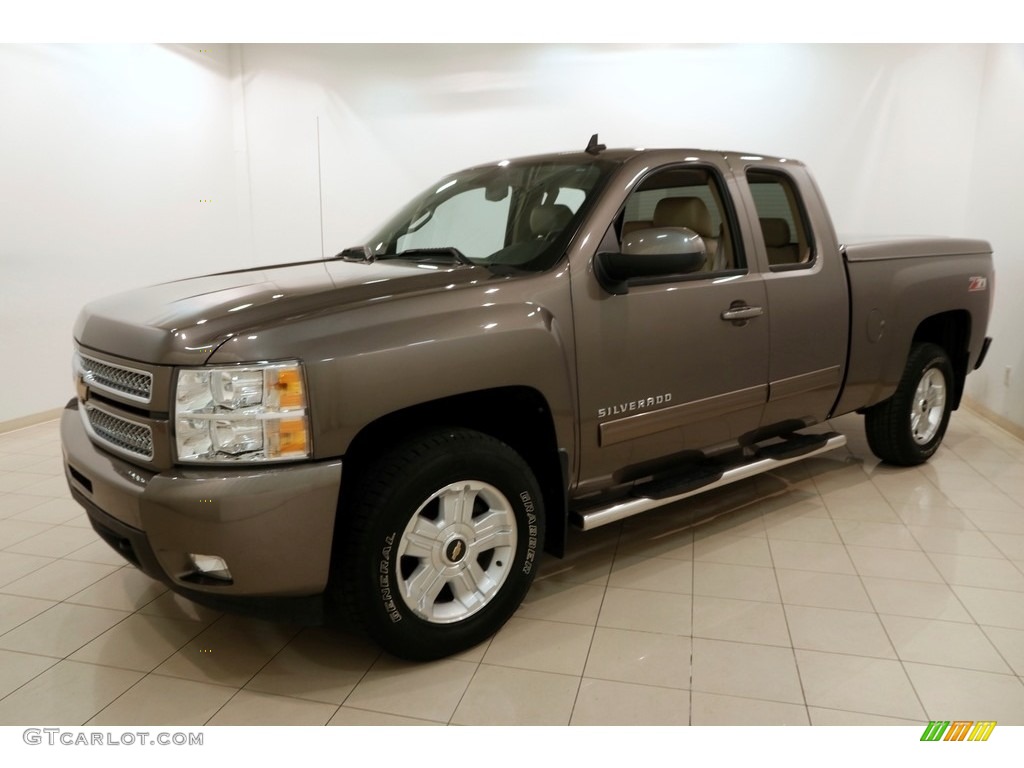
{"x": 674, "y": 365}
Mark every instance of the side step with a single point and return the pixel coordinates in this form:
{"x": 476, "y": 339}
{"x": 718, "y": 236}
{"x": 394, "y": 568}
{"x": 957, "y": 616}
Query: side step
{"x": 706, "y": 477}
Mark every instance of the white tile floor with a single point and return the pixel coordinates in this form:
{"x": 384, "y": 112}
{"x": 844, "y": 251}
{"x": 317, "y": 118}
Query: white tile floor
{"x": 834, "y": 592}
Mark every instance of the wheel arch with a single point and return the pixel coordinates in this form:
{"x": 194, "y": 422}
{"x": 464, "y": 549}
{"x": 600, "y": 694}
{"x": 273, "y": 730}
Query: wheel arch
{"x": 951, "y": 331}
{"x": 519, "y": 416}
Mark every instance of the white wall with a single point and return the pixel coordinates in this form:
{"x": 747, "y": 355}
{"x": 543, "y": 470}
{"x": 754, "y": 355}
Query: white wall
{"x": 872, "y": 121}
{"x": 105, "y": 154}
{"x": 113, "y": 145}
{"x": 995, "y": 210}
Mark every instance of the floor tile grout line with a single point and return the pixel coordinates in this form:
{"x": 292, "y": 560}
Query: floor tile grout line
{"x": 868, "y": 714}
{"x": 1013, "y": 670}
{"x": 67, "y": 656}
{"x": 806, "y": 707}
{"x": 988, "y": 538}
{"x": 64, "y": 601}
{"x": 56, "y": 661}
{"x": 952, "y": 588}
{"x": 362, "y": 677}
{"x": 693, "y": 617}
{"x": 153, "y": 672}
{"x": 153, "y": 669}
{"x": 899, "y": 657}
{"x": 860, "y": 577}
{"x": 476, "y": 671}
{"x": 634, "y": 683}
{"x": 18, "y": 578}
{"x": 65, "y": 598}
{"x": 621, "y": 529}
{"x": 47, "y": 532}
{"x": 423, "y": 720}
{"x": 789, "y": 634}
{"x": 240, "y": 688}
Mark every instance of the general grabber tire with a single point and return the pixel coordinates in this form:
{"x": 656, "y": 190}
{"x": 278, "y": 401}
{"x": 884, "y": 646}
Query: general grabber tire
{"x": 907, "y": 428}
{"x": 443, "y": 539}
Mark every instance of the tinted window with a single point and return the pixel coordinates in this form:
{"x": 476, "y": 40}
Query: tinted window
{"x": 467, "y": 221}
{"x": 686, "y": 197}
{"x": 519, "y": 214}
{"x": 780, "y": 214}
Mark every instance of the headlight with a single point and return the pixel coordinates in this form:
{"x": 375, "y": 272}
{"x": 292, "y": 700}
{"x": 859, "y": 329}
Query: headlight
{"x": 241, "y": 413}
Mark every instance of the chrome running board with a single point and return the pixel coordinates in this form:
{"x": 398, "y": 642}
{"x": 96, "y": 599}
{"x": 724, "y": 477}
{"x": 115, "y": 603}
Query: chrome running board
{"x": 589, "y": 519}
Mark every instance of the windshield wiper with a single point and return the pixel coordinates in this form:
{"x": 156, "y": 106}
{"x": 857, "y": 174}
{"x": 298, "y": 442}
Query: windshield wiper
{"x": 430, "y": 254}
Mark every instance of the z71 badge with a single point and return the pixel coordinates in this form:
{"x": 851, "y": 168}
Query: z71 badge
{"x": 977, "y": 284}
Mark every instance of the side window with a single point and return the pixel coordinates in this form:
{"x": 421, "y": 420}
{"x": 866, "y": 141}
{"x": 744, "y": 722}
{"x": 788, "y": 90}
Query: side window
{"x": 690, "y": 197}
{"x": 783, "y": 224}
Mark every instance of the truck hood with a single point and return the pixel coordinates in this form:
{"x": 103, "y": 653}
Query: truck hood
{"x": 183, "y": 322}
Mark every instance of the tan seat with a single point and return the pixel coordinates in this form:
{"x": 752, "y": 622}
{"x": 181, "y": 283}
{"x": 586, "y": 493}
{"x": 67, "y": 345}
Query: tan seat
{"x": 692, "y": 213}
{"x": 633, "y": 226}
{"x": 777, "y": 242}
{"x": 546, "y": 221}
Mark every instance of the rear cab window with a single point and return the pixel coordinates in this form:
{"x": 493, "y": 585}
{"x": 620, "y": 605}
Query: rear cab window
{"x": 783, "y": 221}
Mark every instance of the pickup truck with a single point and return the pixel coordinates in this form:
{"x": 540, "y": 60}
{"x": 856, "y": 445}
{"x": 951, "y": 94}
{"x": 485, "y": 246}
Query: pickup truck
{"x": 393, "y": 436}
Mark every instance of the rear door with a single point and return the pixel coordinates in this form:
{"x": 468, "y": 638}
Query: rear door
{"x": 791, "y": 238}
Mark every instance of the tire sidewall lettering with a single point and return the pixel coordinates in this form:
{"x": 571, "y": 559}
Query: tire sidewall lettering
{"x": 531, "y": 532}
{"x": 384, "y": 579}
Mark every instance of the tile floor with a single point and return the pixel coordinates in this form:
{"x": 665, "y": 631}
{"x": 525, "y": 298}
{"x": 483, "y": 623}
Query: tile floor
{"x": 835, "y": 591}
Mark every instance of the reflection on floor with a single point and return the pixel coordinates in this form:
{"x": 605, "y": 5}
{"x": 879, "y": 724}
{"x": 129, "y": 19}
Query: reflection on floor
{"x": 836, "y": 591}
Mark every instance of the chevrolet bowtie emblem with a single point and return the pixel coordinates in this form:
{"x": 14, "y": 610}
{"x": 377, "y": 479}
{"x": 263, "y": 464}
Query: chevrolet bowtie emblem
{"x": 81, "y": 388}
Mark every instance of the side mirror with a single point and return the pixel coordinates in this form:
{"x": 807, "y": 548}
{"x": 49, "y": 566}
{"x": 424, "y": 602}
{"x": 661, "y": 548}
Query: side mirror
{"x": 655, "y": 252}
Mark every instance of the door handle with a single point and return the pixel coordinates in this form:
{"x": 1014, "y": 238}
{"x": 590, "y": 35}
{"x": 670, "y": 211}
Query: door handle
{"x": 742, "y": 313}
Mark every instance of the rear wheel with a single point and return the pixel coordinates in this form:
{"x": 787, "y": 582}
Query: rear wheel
{"x": 442, "y": 541}
{"x": 908, "y": 428}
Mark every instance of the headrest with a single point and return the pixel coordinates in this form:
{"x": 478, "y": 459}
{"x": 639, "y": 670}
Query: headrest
{"x": 546, "y": 219}
{"x": 776, "y": 232}
{"x": 689, "y": 212}
{"x": 628, "y": 227}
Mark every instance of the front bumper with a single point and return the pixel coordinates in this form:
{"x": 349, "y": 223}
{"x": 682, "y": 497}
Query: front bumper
{"x": 273, "y": 526}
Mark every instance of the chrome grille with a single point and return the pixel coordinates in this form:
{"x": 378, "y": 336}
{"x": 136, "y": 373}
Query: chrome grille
{"x": 136, "y": 385}
{"x": 119, "y": 433}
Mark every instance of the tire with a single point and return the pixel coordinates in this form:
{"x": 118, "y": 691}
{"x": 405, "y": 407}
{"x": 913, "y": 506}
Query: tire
{"x": 908, "y": 428}
{"x": 425, "y": 573}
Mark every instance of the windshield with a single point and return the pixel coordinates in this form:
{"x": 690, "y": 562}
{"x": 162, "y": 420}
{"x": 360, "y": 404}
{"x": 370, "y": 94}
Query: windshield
{"x": 518, "y": 215}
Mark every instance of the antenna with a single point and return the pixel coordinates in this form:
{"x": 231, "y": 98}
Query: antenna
{"x": 593, "y": 147}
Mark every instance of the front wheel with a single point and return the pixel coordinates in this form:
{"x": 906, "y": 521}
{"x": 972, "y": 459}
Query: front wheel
{"x": 907, "y": 428}
{"x": 442, "y": 543}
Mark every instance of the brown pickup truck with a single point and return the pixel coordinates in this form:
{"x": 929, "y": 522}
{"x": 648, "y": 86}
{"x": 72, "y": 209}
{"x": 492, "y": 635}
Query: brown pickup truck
{"x": 393, "y": 436}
